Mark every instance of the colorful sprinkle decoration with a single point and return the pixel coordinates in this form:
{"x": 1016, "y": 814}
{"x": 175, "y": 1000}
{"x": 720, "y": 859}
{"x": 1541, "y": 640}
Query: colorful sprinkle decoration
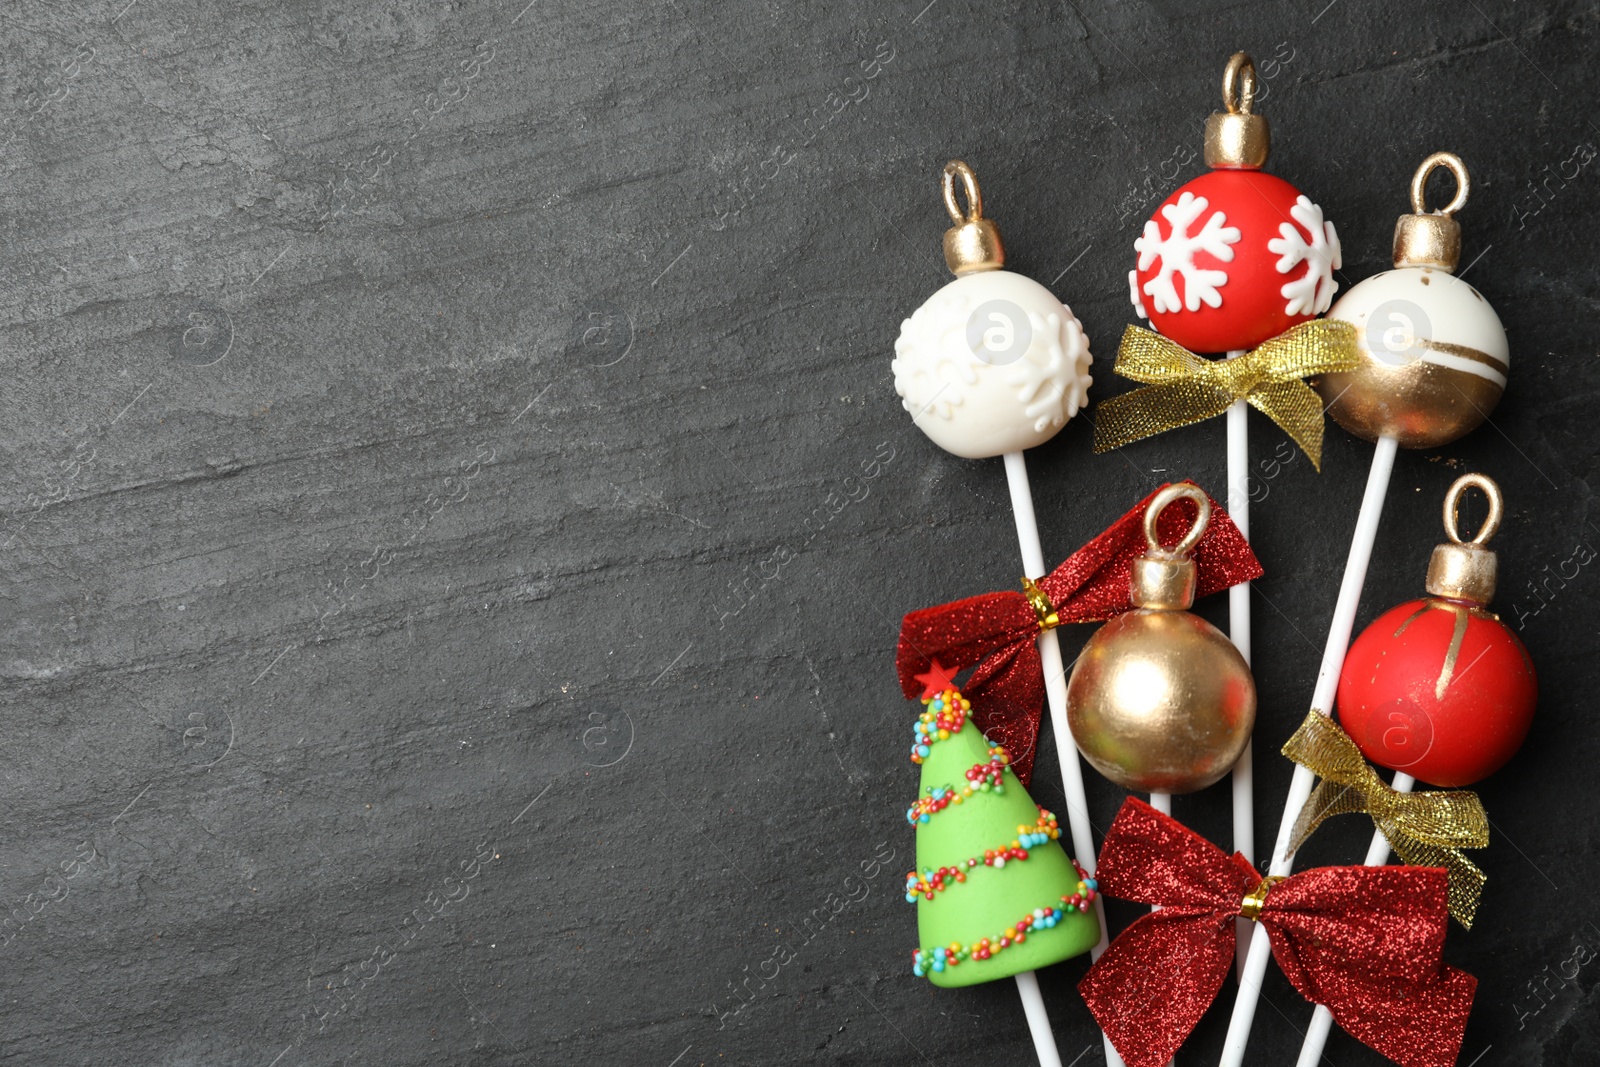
{"x": 946, "y": 715}
{"x": 1044, "y": 829}
{"x": 953, "y": 955}
{"x": 988, "y": 775}
{"x": 981, "y": 778}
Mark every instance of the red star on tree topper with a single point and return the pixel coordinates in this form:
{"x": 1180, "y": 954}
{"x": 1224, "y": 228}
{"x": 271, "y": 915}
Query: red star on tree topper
{"x": 936, "y": 679}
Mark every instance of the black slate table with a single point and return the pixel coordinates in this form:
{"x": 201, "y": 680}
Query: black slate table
{"x": 448, "y": 617}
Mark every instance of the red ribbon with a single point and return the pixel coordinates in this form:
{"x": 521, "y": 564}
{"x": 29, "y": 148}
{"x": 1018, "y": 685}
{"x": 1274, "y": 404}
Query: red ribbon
{"x": 998, "y": 631}
{"x": 1363, "y": 941}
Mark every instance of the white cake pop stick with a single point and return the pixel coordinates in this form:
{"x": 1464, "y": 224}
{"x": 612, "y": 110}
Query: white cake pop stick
{"x": 990, "y": 365}
{"x": 1406, "y": 319}
{"x": 1055, "y": 682}
{"x": 1162, "y": 802}
{"x": 1055, "y": 685}
{"x": 1257, "y": 245}
{"x": 1044, "y": 1039}
{"x": 1244, "y": 816}
{"x": 1333, "y": 652}
{"x": 1316, "y": 1038}
{"x": 1239, "y": 633}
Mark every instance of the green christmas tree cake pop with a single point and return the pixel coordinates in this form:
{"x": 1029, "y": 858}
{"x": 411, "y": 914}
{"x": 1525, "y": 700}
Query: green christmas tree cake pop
{"x": 996, "y": 894}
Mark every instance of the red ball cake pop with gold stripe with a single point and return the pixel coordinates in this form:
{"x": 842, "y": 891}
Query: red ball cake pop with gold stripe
{"x": 1440, "y": 688}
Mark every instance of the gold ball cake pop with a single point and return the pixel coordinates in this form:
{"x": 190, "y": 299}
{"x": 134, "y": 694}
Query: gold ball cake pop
{"x": 1161, "y": 701}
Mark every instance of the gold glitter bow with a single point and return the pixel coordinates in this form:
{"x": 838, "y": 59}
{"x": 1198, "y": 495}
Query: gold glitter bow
{"x": 1424, "y": 829}
{"x": 1181, "y": 388}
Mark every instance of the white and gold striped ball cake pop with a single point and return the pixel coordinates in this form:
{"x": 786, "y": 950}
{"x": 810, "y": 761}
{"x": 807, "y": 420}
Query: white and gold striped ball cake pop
{"x": 1434, "y": 354}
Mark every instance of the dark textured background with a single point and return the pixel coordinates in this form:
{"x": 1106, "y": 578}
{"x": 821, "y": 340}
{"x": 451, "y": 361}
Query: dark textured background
{"x": 434, "y": 440}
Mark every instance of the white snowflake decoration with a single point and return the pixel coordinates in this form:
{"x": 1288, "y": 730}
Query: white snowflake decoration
{"x": 1312, "y": 293}
{"x": 1133, "y": 293}
{"x": 1040, "y": 374}
{"x": 934, "y": 367}
{"x": 1177, "y": 255}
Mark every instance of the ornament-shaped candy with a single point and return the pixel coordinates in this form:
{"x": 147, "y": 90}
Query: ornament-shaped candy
{"x": 1432, "y": 360}
{"x": 1160, "y": 701}
{"x": 993, "y": 362}
{"x": 1434, "y": 354}
{"x": 1235, "y": 256}
{"x": 990, "y": 365}
{"x": 1441, "y": 689}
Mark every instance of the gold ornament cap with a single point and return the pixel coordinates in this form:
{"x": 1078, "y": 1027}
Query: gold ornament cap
{"x": 973, "y": 243}
{"x": 1164, "y": 579}
{"x": 1432, "y": 238}
{"x": 1238, "y": 139}
{"x": 1465, "y": 570}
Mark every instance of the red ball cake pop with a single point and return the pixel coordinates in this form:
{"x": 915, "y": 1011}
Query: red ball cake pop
{"x": 1235, "y": 256}
{"x": 1441, "y": 689}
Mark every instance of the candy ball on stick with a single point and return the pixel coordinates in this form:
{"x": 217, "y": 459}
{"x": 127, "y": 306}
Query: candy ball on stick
{"x": 1235, "y": 256}
{"x": 1408, "y": 389}
{"x": 996, "y": 894}
{"x": 1434, "y": 354}
{"x": 1441, "y": 689}
{"x": 991, "y": 365}
{"x": 993, "y": 362}
{"x": 1160, "y": 701}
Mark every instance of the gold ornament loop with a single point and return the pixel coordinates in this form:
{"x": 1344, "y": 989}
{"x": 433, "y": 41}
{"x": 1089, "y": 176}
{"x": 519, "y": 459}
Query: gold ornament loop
{"x": 1242, "y": 69}
{"x": 1165, "y": 499}
{"x": 1466, "y": 570}
{"x": 973, "y": 244}
{"x": 1452, "y": 503}
{"x": 958, "y": 168}
{"x": 1419, "y": 183}
{"x": 1046, "y": 612}
{"x": 1250, "y": 907}
{"x": 1237, "y": 138}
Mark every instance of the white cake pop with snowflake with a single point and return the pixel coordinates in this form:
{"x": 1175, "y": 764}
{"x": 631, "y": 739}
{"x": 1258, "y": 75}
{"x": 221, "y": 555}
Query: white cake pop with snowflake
{"x": 993, "y": 362}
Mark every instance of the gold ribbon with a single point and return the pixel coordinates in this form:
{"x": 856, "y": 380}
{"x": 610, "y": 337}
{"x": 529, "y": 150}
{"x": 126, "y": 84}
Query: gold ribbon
{"x": 1424, "y": 829}
{"x": 1181, "y": 388}
{"x": 1048, "y": 619}
{"x": 1256, "y": 899}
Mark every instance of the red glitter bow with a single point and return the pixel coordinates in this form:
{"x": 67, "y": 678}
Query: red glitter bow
{"x": 998, "y": 631}
{"x": 1363, "y": 941}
